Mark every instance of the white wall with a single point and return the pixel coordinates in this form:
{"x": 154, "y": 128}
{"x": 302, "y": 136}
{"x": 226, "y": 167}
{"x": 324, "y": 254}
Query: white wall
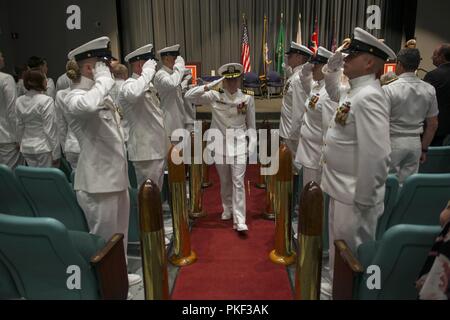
{"x": 432, "y": 28}
{"x": 41, "y": 26}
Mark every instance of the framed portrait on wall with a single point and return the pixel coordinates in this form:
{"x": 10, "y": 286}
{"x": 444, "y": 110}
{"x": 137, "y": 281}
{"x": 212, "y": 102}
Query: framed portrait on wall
{"x": 196, "y": 70}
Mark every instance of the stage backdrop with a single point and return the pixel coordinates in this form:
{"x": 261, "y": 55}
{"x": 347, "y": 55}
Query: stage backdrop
{"x": 209, "y": 31}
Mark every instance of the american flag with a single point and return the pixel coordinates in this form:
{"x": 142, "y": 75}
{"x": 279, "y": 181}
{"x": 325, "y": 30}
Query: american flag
{"x": 245, "y": 58}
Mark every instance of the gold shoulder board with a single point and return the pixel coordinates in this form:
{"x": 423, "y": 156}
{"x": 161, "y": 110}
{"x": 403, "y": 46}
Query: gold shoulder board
{"x": 248, "y": 92}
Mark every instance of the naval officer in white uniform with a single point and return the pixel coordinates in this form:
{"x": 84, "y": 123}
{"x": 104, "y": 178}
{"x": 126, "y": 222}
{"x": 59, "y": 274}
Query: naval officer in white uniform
{"x": 357, "y": 145}
{"x": 67, "y": 138}
{"x": 101, "y": 181}
{"x": 37, "y": 123}
{"x": 9, "y": 144}
{"x": 168, "y": 84}
{"x": 294, "y": 97}
{"x": 148, "y": 142}
{"x": 319, "y": 112}
{"x": 235, "y": 111}
{"x": 413, "y": 102}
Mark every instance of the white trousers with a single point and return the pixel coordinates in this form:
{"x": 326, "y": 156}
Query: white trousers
{"x": 72, "y": 158}
{"x": 311, "y": 175}
{"x": 43, "y": 160}
{"x": 106, "y": 213}
{"x": 405, "y": 156}
{"x": 355, "y": 227}
{"x": 10, "y": 155}
{"x": 153, "y": 169}
{"x": 232, "y": 190}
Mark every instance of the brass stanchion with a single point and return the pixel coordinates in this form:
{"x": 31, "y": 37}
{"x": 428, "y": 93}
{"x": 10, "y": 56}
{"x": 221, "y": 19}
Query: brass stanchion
{"x": 309, "y": 263}
{"x": 182, "y": 256}
{"x": 269, "y": 214}
{"x": 283, "y": 253}
{"x": 195, "y": 186}
{"x": 205, "y": 168}
{"x": 153, "y": 250}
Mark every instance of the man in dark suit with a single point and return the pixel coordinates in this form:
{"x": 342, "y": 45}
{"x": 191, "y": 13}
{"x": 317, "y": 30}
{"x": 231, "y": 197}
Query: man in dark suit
{"x": 440, "y": 79}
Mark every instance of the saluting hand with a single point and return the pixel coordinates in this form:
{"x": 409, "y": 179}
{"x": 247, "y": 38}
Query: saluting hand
{"x": 336, "y": 61}
{"x": 180, "y": 63}
{"x": 307, "y": 69}
{"x": 101, "y": 70}
{"x": 211, "y": 85}
{"x": 150, "y": 65}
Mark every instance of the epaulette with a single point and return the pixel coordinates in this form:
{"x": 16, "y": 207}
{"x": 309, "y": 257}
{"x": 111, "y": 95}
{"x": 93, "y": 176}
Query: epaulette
{"x": 248, "y": 92}
{"x": 385, "y": 83}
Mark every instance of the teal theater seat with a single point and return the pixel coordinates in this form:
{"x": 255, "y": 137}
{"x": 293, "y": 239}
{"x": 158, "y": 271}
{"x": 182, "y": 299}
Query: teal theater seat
{"x": 52, "y": 196}
{"x": 390, "y": 200}
{"x": 12, "y": 197}
{"x": 40, "y": 255}
{"x": 399, "y": 256}
{"x": 438, "y": 161}
{"x": 420, "y": 202}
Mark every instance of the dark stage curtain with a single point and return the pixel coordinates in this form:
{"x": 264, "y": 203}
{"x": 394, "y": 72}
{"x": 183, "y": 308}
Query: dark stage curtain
{"x": 209, "y": 31}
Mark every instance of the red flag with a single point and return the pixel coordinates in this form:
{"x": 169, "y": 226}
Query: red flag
{"x": 315, "y": 37}
{"x": 245, "y": 58}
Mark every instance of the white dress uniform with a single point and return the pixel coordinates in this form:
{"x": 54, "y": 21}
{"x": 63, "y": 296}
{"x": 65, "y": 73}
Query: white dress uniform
{"x": 37, "y": 129}
{"x": 148, "y": 143}
{"x": 356, "y": 153}
{"x": 67, "y": 138}
{"x": 294, "y": 98}
{"x": 115, "y": 96}
{"x": 9, "y": 147}
{"x": 319, "y": 112}
{"x": 63, "y": 83}
{"x": 190, "y": 109}
{"x": 412, "y": 101}
{"x": 101, "y": 180}
{"x": 232, "y": 112}
{"x": 168, "y": 84}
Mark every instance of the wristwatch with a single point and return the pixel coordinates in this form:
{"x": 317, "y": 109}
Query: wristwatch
{"x": 424, "y": 150}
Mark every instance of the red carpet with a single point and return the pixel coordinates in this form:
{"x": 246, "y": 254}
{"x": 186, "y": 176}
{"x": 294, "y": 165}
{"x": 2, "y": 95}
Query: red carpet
{"x": 230, "y": 267}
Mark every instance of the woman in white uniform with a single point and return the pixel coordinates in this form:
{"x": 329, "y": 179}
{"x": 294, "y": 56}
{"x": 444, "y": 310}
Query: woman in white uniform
{"x": 233, "y": 112}
{"x": 36, "y": 123}
{"x": 319, "y": 111}
{"x": 67, "y": 138}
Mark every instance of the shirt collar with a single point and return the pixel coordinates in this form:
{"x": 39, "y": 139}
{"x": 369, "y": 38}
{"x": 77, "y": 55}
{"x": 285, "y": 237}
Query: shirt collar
{"x": 362, "y": 81}
{"x": 85, "y": 84}
{"x": 170, "y": 71}
{"x": 297, "y": 68}
{"x": 407, "y": 75}
{"x": 135, "y": 76}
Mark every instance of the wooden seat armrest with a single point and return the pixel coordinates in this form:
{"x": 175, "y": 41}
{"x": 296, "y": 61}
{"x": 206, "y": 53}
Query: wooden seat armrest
{"x": 111, "y": 269}
{"x": 346, "y": 269}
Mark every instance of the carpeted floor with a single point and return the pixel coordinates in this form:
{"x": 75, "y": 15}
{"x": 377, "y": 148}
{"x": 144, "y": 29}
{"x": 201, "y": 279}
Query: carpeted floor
{"x": 231, "y": 267}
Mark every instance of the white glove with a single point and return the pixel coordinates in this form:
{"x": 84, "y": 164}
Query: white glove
{"x": 149, "y": 70}
{"x": 336, "y": 61}
{"x": 307, "y": 69}
{"x": 180, "y": 64}
{"x": 214, "y": 83}
{"x": 150, "y": 65}
{"x": 101, "y": 70}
